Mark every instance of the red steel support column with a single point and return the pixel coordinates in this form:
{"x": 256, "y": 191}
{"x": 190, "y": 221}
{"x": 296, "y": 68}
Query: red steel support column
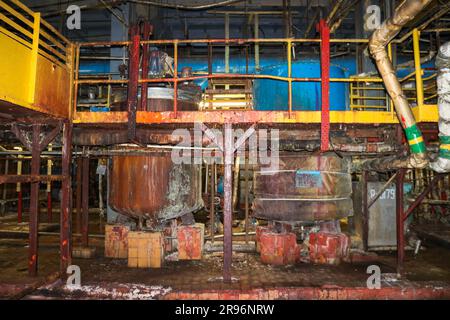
{"x": 34, "y": 202}
{"x": 365, "y": 210}
{"x": 133, "y": 79}
{"x": 175, "y": 76}
{"x": 400, "y": 222}
{"x": 78, "y": 193}
{"x": 85, "y": 203}
{"x": 146, "y": 33}
{"x": 228, "y": 203}
{"x": 66, "y": 206}
{"x": 325, "y": 74}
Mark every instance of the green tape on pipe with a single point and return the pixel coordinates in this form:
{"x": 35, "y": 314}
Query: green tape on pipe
{"x": 415, "y": 139}
{"x": 444, "y": 153}
{"x": 444, "y": 139}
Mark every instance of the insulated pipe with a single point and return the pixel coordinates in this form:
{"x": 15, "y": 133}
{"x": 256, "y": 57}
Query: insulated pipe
{"x": 378, "y": 43}
{"x": 442, "y": 163}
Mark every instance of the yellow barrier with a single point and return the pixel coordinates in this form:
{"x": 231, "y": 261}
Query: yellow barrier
{"x": 36, "y": 63}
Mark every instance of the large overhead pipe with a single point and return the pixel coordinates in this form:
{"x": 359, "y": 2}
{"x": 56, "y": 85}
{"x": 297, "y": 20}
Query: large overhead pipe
{"x": 390, "y": 28}
{"x": 442, "y": 163}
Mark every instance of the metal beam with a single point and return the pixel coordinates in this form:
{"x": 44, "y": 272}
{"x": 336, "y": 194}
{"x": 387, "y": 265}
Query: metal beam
{"x": 228, "y": 202}
{"x": 34, "y": 202}
{"x": 325, "y": 74}
{"x": 85, "y": 203}
{"x": 66, "y": 207}
{"x": 400, "y": 220}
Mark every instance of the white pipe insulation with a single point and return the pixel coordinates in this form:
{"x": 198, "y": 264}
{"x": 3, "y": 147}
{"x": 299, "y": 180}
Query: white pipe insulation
{"x": 442, "y": 163}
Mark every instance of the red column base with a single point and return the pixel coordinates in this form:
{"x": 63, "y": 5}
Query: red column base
{"x": 259, "y": 231}
{"x": 279, "y": 248}
{"x": 190, "y": 242}
{"x": 328, "y": 248}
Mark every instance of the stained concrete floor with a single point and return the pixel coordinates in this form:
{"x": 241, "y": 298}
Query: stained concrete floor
{"x": 432, "y": 265}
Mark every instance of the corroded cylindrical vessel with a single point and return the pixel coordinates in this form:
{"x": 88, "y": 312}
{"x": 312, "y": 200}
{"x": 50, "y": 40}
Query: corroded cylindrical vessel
{"x": 152, "y": 187}
{"x": 304, "y": 188}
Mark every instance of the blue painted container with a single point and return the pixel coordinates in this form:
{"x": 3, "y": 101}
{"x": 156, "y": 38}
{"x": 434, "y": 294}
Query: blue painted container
{"x": 273, "y": 94}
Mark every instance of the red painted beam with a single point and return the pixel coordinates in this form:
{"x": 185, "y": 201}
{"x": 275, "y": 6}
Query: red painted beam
{"x": 146, "y": 33}
{"x": 133, "y": 79}
{"x": 85, "y": 203}
{"x": 325, "y": 74}
{"x": 66, "y": 208}
{"x": 34, "y": 202}
{"x": 228, "y": 202}
{"x": 78, "y": 193}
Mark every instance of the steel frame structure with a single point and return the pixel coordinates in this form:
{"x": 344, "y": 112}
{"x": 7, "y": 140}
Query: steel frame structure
{"x": 135, "y": 115}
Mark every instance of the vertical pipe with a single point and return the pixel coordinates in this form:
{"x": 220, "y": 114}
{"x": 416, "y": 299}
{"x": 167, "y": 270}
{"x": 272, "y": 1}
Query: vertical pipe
{"x": 256, "y": 24}
{"x": 145, "y": 61}
{"x": 246, "y": 191}
{"x": 210, "y": 70}
{"x": 49, "y": 207}
{"x": 19, "y": 206}
{"x": 418, "y": 67}
{"x": 405, "y": 12}
{"x": 206, "y": 177}
{"x": 19, "y": 189}
{"x": 365, "y": 210}
{"x": 227, "y": 46}
{"x": 289, "y": 59}
{"x": 389, "y": 100}
{"x": 212, "y": 217}
{"x": 325, "y": 74}
{"x": 66, "y": 206}
{"x": 100, "y": 196}
{"x": 78, "y": 193}
{"x": 49, "y": 189}
{"x": 400, "y": 222}
{"x": 227, "y": 210}
{"x": 85, "y": 203}
{"x": 34, "y": 203}
{"x": 76, "y": 76}
{"x": 133, "y": 79}
{"x": 175, "y": 76}
{"x": 236, "y": 182}
{"x": 5, "y": 188}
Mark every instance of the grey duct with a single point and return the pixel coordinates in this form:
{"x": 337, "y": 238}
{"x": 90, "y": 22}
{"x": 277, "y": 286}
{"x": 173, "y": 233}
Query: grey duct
{"x": 442, "y": 163}
{"x": 379, "y": 40}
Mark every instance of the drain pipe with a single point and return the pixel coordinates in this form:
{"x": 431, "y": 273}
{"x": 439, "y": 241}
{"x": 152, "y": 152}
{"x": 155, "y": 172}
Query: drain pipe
{"x": 442, "y": 163}
{"x": 378, "y": 42}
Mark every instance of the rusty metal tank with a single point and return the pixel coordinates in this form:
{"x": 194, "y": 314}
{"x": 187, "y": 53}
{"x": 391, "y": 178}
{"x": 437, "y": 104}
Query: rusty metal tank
{"x": 160, "y": 99}
{"x": 304, "y": 188}
{"x": 151, "y": 187}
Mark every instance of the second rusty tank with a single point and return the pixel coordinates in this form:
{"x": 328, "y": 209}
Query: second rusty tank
{"x": 151, "y": 187}
{"x": 304, "y": 188}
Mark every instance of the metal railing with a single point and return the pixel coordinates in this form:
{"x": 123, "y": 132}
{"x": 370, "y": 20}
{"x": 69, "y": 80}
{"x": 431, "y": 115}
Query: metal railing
{"x": 359, "y": 86}
{"x": 419, "y": 90}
